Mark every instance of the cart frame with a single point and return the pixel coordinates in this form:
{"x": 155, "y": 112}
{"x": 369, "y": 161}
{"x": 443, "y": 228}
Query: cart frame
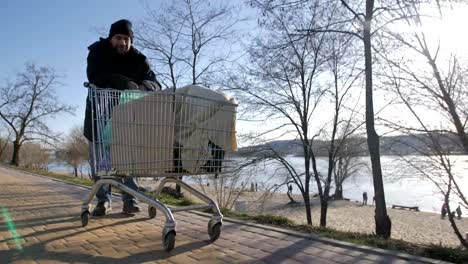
{"x": 110, "y": 177}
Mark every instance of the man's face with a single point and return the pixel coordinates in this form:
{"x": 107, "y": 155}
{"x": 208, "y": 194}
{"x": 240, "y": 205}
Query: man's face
{"x": 121, "y": 43}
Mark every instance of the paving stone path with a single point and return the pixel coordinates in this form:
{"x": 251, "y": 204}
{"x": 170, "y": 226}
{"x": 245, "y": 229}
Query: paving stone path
{"x": 40, "y": 223}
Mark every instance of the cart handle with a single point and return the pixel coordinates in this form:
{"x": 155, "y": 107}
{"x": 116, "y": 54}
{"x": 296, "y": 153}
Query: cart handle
{"x": 89, "y": 85}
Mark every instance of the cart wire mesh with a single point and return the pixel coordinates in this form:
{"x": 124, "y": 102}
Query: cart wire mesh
{"x": 189, "y": 131}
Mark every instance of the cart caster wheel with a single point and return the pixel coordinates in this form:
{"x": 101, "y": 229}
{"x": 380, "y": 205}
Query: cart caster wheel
{"x": 169, "y": 241}
{"x": 151, "y": 212}
{"x": 214, "y": 232}
{"x": 84, "y": 218}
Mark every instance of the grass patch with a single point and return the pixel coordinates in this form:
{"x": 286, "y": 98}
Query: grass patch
{"x": 266, "y": 219}
{"x": 446, "y": 254}
{"x": 63, "y": 177}
{"x": 455, "y": 255}
{"x": 269, "y": 219}
{"x": 171, "y": 200}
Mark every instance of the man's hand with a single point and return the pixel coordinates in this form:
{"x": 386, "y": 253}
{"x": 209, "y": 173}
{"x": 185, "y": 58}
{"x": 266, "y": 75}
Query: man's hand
{"x": 147, "y": 85}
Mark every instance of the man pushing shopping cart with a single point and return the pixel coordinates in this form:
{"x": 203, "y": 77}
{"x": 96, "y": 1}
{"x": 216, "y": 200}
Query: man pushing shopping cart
{"x": 137, "y": 130}
{"x": 113, "y": 62}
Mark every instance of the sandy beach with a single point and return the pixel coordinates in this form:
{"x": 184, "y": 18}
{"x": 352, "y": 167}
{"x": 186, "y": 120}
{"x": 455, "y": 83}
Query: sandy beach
{"x": 417, "y": 227}
{"x": 411, "y": 226}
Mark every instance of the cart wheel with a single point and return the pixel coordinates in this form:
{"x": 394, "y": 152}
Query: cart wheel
{"x": 84, "y": 218}
{"x": 151, "y": 212}
{"x": 169, "y": 241}
{"x": 214, "y": 232}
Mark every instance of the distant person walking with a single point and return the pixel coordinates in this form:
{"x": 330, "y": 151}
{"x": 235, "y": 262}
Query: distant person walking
{"x": 364, "y": 198}
{"x": 289, "y": 193}
{"x": 459, "y": 212}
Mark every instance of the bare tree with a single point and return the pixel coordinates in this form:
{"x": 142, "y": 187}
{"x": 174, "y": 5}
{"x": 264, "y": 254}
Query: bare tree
{"x": 383, "y": 224}
{"x": 75, "y": 149}
{"x": 161, "y": 35}
{"x": 26, "y": 104}
{"x": 357, "y": 23}
{"x": 189, "y": 40}
{"x": 437, "y": 86}
{"x": 345, "y": 76}
{"x": 291, "y": 66}
{"x": 362, "y": 15}
{"x": 185, "y": 39}
{"x": 347, "y": 162}
{"x": 288, "y": 80}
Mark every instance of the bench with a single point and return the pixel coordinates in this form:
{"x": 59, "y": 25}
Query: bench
{"x": 415, "y": 208}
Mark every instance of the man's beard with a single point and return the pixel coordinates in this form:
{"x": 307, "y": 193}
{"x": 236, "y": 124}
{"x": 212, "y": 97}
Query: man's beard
{"x": 121, "y": 49}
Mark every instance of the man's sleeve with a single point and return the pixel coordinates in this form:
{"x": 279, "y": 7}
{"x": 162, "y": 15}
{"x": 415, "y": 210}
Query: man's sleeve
{"x": 94, "y": 69}
{"x": 148, "y": 74}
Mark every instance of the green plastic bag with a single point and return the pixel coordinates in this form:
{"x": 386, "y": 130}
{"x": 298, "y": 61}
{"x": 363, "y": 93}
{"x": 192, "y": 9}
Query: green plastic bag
{"x": 125, "y": 97}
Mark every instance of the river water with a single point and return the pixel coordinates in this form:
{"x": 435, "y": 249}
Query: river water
{"x": 404, "y": 184}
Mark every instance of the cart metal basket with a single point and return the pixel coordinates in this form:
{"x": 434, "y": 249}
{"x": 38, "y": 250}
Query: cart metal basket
{"x": 186, "y": 132}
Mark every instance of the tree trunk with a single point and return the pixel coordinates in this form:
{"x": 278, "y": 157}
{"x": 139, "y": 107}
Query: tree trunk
{"x": 323, "y": 212}
{"x": 194, "y": 78}
{"x": 15, "y": 157}
{"x": 307, "y": 207}
{"x": 339, "y": 193}
{"x": 338, "y": 183}
{"x": 75, "y": 171}
{"x": 383, "y": 225}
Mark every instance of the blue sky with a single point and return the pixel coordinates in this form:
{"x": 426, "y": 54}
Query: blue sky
{"x": 57, "y": 33}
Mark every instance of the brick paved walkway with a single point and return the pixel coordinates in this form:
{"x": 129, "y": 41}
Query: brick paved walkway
{"x": 46, "y": 216}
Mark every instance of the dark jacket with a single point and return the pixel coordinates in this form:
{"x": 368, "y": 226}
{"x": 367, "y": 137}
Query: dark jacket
{"x": 109, "y": 69}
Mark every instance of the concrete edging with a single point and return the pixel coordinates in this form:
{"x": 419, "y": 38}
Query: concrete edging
{"x": 403, "y": 256}
{"x": 330, "y": 241}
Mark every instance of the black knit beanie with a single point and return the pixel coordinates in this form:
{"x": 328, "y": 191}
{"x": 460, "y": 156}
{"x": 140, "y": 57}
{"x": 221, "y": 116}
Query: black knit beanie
{"x": 122, "y": 26}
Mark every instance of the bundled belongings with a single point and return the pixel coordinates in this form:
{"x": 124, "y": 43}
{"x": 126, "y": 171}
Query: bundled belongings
{"x": 189, "y": 132}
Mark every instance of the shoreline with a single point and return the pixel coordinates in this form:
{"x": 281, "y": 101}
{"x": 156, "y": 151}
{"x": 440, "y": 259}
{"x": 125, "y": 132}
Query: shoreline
{"x": 420, "y": 227}
{"x": 351, "y": 216}
{"x": 412, "y": 226}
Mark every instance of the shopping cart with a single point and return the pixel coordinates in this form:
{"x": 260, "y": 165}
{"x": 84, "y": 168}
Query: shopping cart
{"x": 186, "y": 132}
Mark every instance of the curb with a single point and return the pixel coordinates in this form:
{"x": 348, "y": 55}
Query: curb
{"x": 330, "y": 241}
{"x": 343, "y": 244}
